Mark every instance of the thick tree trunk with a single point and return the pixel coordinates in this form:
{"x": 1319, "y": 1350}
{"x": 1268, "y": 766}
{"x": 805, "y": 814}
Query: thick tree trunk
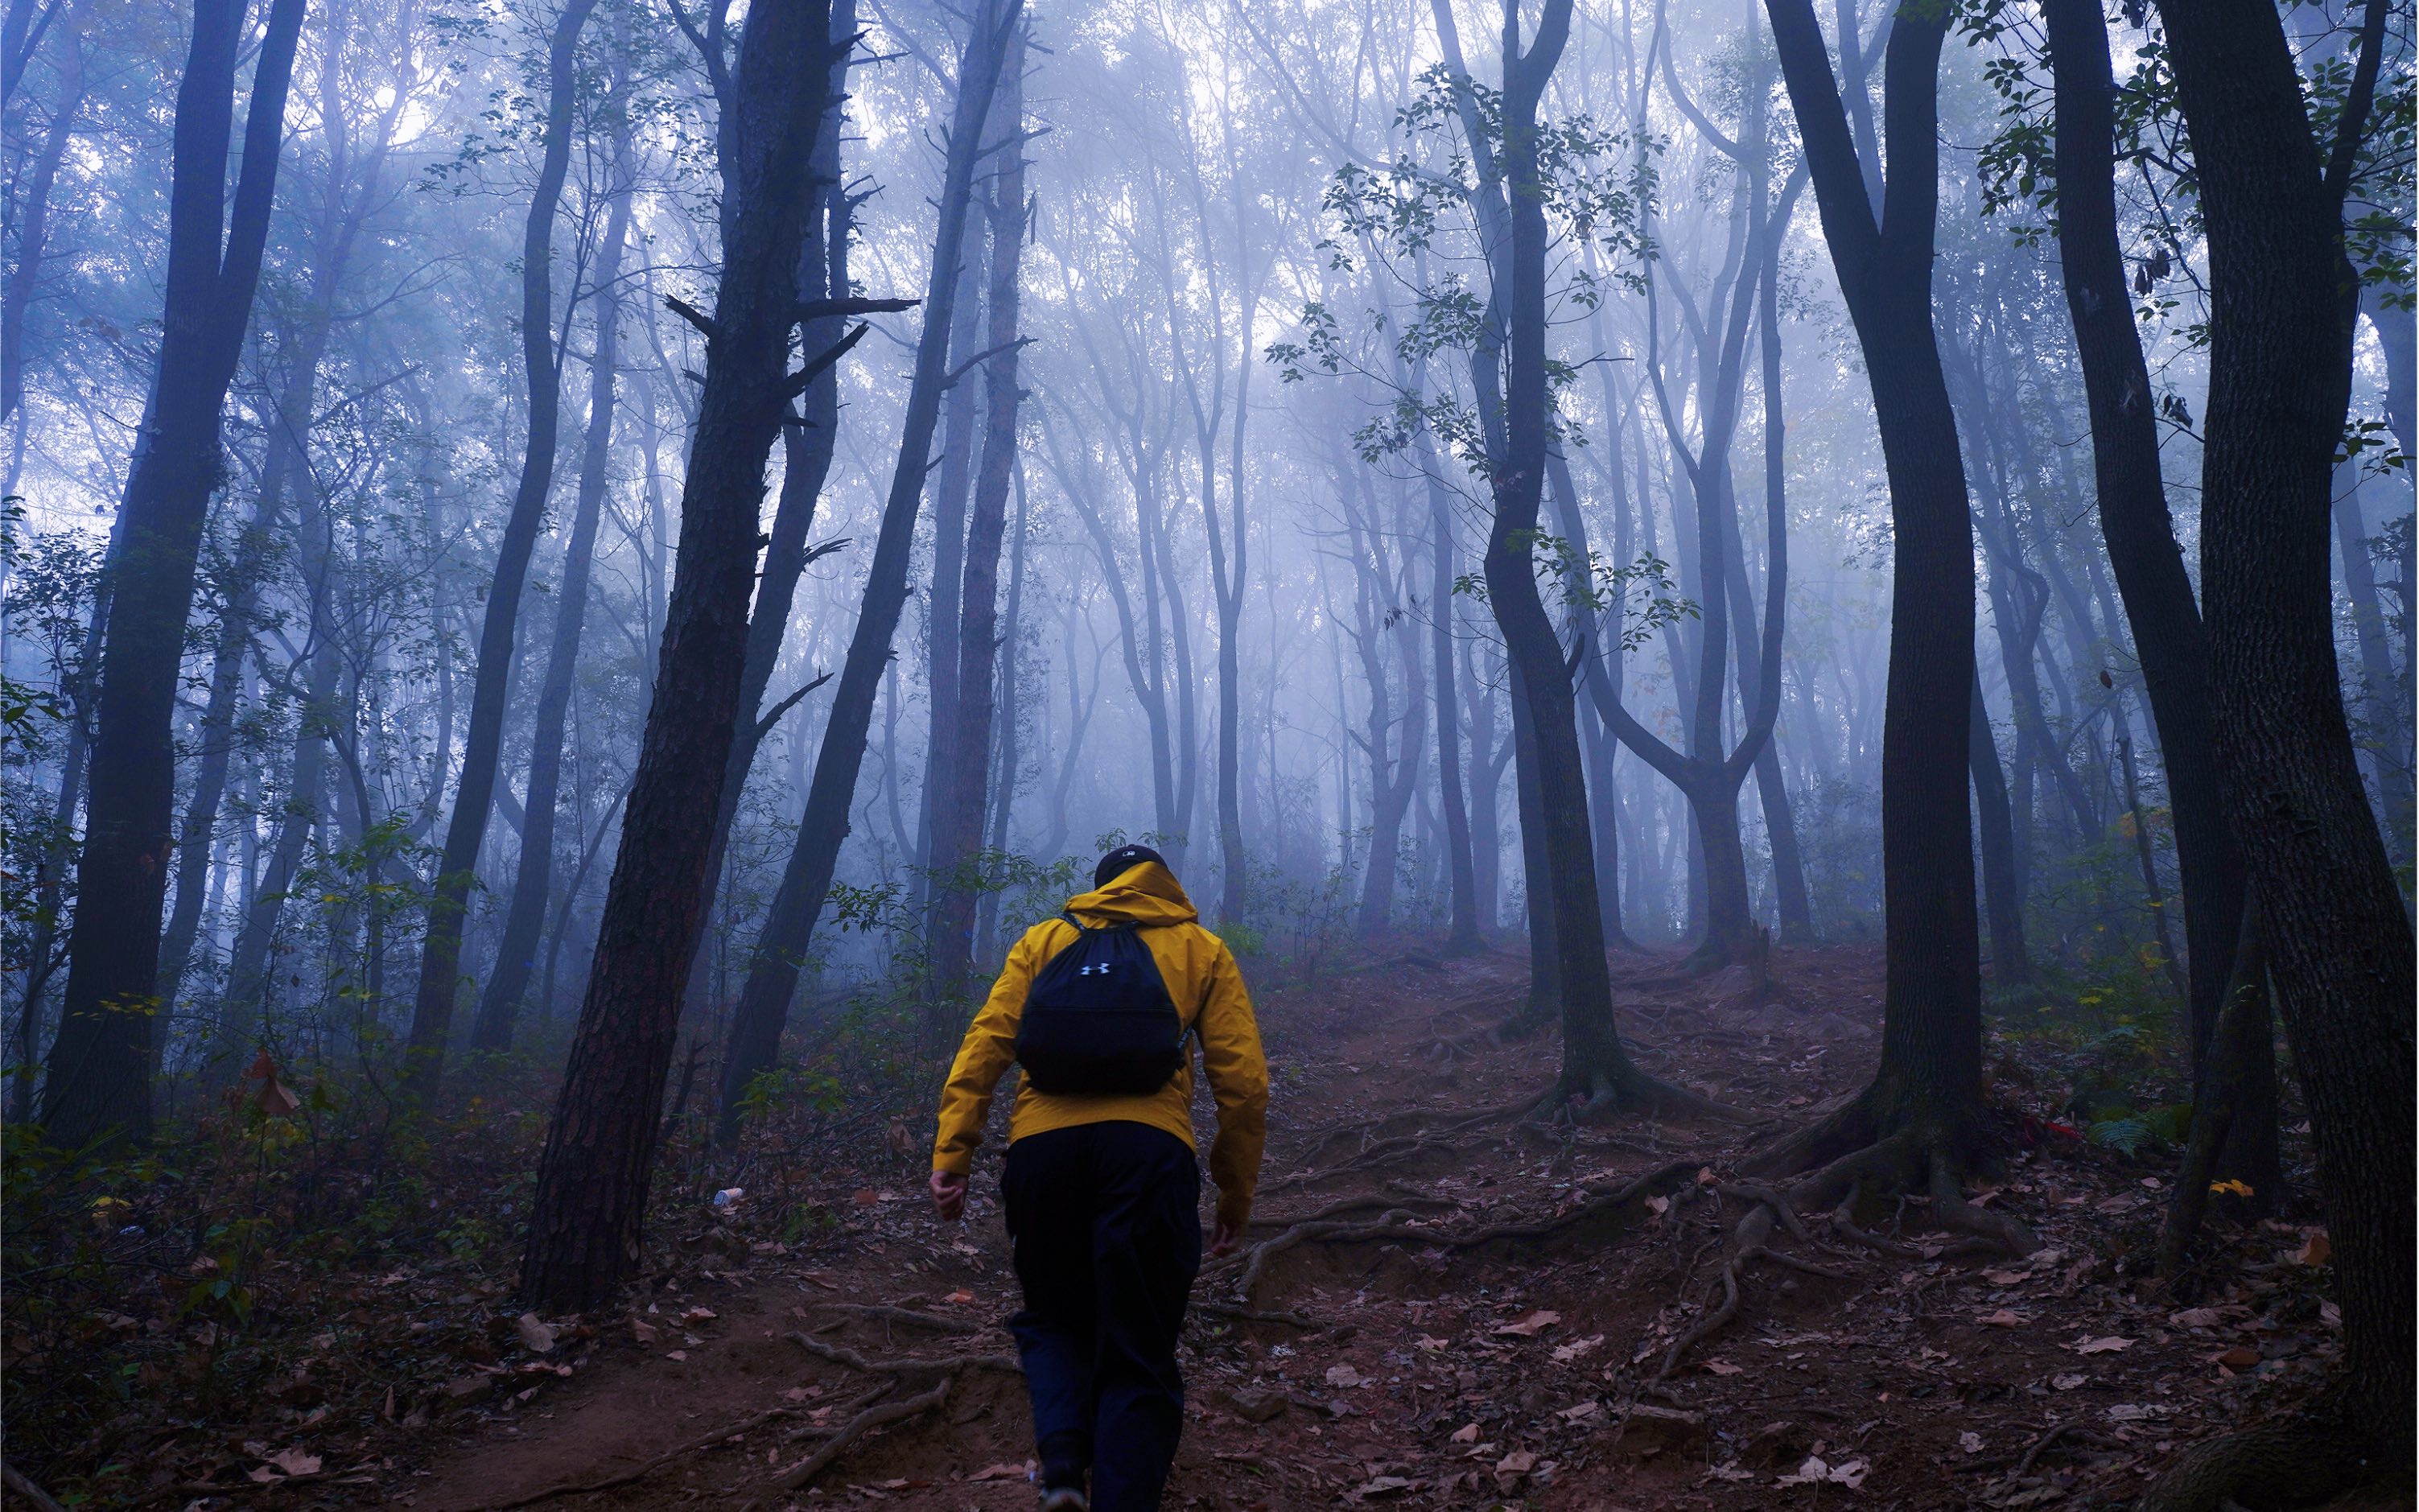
{"x": 773, "y": 966}
{"x": 1922, "y": 1110}
{"x": 2281, "y": 320}
{"x": 2133, "y": 521}
{"x": 465, "y": 829}
{"x": 100, "y": 1066}
{"x": 959, "y": 784}
{"x": 592, "y": 1179}
{"x": 534, "y": 877}
{"x": 807, "y": 452}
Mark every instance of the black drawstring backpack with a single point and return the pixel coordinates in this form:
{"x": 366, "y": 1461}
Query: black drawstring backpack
{"x": 1098, "y": 1018}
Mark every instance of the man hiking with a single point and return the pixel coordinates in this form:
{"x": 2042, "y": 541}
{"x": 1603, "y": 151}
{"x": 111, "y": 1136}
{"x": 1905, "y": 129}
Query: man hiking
{"x": 1102, "y": 1189}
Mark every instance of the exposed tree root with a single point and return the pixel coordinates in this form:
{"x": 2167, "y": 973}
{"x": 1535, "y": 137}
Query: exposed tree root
{"x": 857, "y": 1426}
{"x": 1712, "y": 1322}
{"x": 1249, "y": 1314}
{"x": 1844, "y": 1153}
{"x": 627, "y": 1477}
{"x": 1400, "y": 1224}
{"x": 899, "y": 1315}
{"x": 1597, "y": 1096}
{"x": 928, "y": 1365}
{"x": 1397, "y": 1194}
{"x": 2298, "y": 1460}
{"x": 19, "y": 1486}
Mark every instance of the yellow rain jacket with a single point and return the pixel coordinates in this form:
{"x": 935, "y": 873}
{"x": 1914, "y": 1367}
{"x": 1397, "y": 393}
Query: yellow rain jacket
{"x": 1208, "y": 989}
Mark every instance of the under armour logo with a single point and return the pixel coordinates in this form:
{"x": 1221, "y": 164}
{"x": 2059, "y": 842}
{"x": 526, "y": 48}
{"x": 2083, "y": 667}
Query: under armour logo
{"x": 1102, "y": 970}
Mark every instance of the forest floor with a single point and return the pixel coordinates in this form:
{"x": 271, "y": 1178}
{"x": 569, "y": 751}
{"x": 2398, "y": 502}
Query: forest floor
{"x": 1385, "y": 1349}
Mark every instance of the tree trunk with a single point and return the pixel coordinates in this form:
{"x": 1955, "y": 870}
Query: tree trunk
{"x": 32, "y": 214}
{"x": 959, "y": 785}
{"x": 591, "y": 1178}
{"x": 99, "y": 1066}
{"x": 1919, "y": 1122}
{"x": 773, "y": 966}
{"x": 2010, "y": 965}
{"x": 2134, "y": 520}
{"x": 2283, "y": 304}
{"x": 524, "y": 918}
{"x": 807, "y": 452}
{"x": 1463, "y": 937}
{"x": 432, "y": 1010}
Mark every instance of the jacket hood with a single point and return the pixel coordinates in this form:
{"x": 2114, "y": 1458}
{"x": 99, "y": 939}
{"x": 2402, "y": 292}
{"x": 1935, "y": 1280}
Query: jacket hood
{"x": 1146, "y": 894}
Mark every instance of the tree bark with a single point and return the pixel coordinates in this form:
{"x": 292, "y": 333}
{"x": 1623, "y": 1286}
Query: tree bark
{"x": 465, "y": 829}
{"x": 592, "y": 1181}
{"x": 100, "y": 1066}
{"x": 2283, "y": 305}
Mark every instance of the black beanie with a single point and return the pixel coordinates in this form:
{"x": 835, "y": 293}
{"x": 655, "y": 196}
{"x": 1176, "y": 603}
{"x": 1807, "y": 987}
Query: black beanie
{"x": 1124, "y": 859}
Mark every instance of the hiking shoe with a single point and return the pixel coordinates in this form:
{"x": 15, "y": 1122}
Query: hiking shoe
{"x": 1065, "y": 1499}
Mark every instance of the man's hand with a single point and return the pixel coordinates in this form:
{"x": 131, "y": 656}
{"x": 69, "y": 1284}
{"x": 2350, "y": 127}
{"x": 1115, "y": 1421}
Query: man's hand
{"x": 1224, "y": 1236}
{"x": 949, "y": 1194}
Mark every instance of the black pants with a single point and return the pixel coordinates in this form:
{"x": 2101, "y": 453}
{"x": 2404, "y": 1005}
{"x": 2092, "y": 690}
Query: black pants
{"x": 1107, "y": 1227}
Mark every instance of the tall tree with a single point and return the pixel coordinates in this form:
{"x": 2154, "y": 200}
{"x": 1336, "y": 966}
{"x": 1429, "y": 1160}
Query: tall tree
{"x": 2283, "y": 310}
{"x": 592, "y": 1179}
{"x": 474, "y": 788}
{"x": 959, "y": 778}
{"x": 773, "y": 966}
{"x": 1918, "y": 1123}
{"x": 1597, "y": 1069}
{"x": 533, "y": 874}
{"x": 2134, "y": 520}
{"x": 99, "y": 1065}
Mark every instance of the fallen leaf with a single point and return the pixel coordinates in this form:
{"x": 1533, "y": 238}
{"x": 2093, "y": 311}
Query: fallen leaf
{"x": 1344, "y": 1377}
{"x": 1658, "y": 1204}
{"x": 2108, "y": 1345}
{"x": 864, "y": 1196}
{"x": 1467, "y": 1433}
{"x": 1516, "y": 1464}
{"x": 2007, "y": 1278}
{"x": 295, "y": 1462}
{"x": 698, "y": 1315}
{"x": 642, "y": 1331}
{"x": 1530, "y": 1326}
{"x": 2331, "y": 1315}
{"x": 1815, "y": 1473}
{"x": 2241, "y": 1189}
{"x": 2002, "y": 1319}
{"x": 1722, "y": 1367}
{"x": 1382, "y": 1486}
{"x": 2318, "y": 1248}
{"x": 2238, "y": 1358}
{"x": 962, "y": 1296}
{"x": 1003, "y": 1470}
{"x": 677, "y": 1354}
{"x": 535, "y": 1336}
{"x": 2066, "y": 1382}
{"x": 1579, "y": 1412}
{"x": 1430, "y": 1346}
{"x": 2196, "y": 1318}
{"x": 1970, "y": 1441}
{"x": 1566, "y": 1353}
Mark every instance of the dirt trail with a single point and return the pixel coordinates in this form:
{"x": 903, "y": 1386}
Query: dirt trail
{"x": 1448, "y": 1307}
